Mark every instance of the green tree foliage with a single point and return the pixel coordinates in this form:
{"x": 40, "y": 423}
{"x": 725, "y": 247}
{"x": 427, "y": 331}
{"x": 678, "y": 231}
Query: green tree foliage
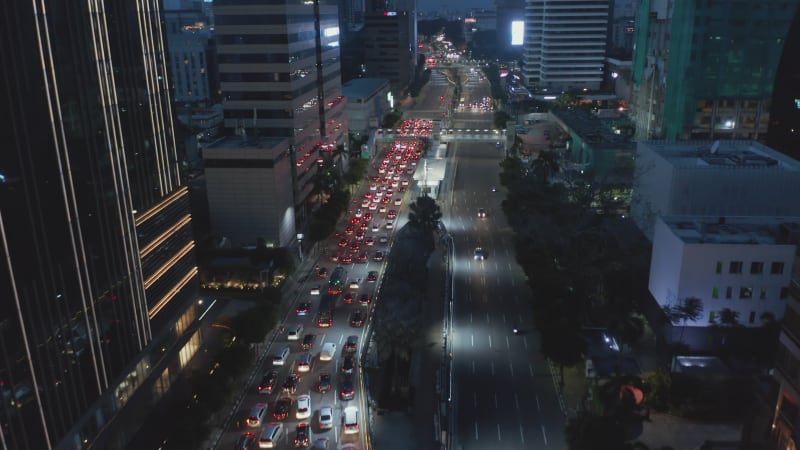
{"x": 357, "y": 172}
{"x": 323, "y": 219}
{"x": 419, "y": 82}
{"x": 500, "y": 119}
{"x": 424, "y": 214}
{"x": 391, "y": 119}
{"x": 563, "y": 344}
{"x": 588, "y": 431}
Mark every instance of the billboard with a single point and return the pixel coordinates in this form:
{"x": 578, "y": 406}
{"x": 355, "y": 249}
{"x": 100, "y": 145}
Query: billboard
{"x": 517, "y": 32}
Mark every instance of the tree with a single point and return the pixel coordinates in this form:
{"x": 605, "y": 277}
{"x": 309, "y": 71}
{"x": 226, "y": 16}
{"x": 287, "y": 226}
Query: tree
{"x": 500, "y": 119}
{"x": 691, "y": 308}
{"x": 564, "y": 345}
{"x": 425, "y": 214}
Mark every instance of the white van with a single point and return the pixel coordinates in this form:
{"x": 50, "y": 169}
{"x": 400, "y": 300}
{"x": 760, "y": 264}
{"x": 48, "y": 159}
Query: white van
{"x": 294, "y": 333}
{"x": 328, "y": 351}
{"x": 270, "y": 436}
{"x": 280, "y": 357}
{"x": 351, "y": 420}
{"x": 256, "y": 415}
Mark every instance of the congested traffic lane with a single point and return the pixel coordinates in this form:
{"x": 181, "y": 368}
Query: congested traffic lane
{"x": 353, "y": 249}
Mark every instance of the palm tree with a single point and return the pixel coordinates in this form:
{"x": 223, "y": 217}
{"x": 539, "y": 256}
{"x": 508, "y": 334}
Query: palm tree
{"x": 691, "y": 308}
{"x": 425, "y": 214}
{"x": 564, "y": 345}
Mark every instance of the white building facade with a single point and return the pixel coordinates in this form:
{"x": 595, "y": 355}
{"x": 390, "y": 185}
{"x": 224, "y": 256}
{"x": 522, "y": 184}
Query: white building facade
{"x": 565, "y": 44}
{"x": 743, "y": 264}
{"x": 367, "y": 103}
{"x": 729, "y": 178}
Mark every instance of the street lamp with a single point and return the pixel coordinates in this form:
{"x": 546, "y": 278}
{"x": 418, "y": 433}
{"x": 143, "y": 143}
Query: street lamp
{"x": 300, "y": 237}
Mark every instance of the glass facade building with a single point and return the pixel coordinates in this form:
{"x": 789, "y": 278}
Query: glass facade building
{"x": 98, "y": 274}
{"x": 706, "y": 69}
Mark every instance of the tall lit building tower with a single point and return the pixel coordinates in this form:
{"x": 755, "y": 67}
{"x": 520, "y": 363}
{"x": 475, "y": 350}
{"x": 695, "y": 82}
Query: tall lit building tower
{"x": 390, "y": 42}
{"x": 98, "y": 275}
{"x": 280, "y": 77}
{"x": 706, "y": 70}
{"x": 565, "y": 44}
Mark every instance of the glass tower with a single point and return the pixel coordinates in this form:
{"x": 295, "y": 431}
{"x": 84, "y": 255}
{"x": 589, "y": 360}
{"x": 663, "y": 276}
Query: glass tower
{"x": 98, "y": 260}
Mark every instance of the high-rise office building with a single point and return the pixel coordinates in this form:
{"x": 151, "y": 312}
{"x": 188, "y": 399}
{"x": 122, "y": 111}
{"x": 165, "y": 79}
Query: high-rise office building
{"x": 784, "y": 127}
{"x": 98, "y": 275}
{"x": 390, "y": 42}
{"x": 565, "y": 44}
{"x": 280, "y": 77}
{"x": 706, "y": 70}
{"x": 192, "y": 57}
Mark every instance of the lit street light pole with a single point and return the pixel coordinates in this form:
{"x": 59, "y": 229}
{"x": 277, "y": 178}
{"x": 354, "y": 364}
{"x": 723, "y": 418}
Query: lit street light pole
{"x": 300, "y": 237}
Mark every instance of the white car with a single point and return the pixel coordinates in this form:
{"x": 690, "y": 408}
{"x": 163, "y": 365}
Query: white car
{"x": 303, "y": 406}
{"x": 328, "y": 351}
{"x": 404, "y": 183}
{"x": 376, "y": 227}
{"x": 382, "y": 209}
{"x": 398, "y": 201}
{"x": 373, "y": 187}
{"x": 350, "y": 420}
{"x": 326, "y": 417}
{"x": 480, "y": 254}
{"x": 353, "y": 284}
{"x": 373, "y": 206}
{"x": 279, "y": 358}
{"x": 389, "y": 225}
{"x": 314, "y": 290}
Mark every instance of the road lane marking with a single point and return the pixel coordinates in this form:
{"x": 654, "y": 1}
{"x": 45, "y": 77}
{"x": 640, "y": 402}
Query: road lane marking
{"x": 472, "y": 339}
{"x": 487, "y": 318}
{"x": 516, "y": 400}
{"x": 492, "y": 368}
{"x": 340, "y": 339}
{"x": 511, "y": 366}
{"x": 530, "y": 367}
{"x": 473, "y": 367}
{"x": 521, "y": 435}
{"x": 538, "y": 405}
{"x": 508, "y": 344}
{"x": 470, "y": 317}
{"x": 525, "y": 341}
{"x": 498, "y": 432}
{"x": 490, "y": 341}
{"x": 476, "y": 431}
{"x": 544, "y": 435}
{"x": 509, "y": 267}
{"x": 504, "y": 318}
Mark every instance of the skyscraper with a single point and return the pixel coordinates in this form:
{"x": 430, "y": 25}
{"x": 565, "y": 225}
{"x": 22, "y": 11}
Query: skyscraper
{"x": 565, "y": 44}
{"x": 706, "y": 70}
{"x": 280, "y": 77}
{"x": 98, "y": 274}
{"x": 390, "y": 42}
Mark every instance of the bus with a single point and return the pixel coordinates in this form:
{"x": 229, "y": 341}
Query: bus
{"x": 325, "y": 311}
{"x": 336, "y": 282}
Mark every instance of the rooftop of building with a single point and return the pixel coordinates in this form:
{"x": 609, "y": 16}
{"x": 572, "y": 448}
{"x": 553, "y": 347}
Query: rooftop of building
{"x": 724, "y": 153}
{"x": 594, "y": 130}
{"x": 363, "y": 87}
{"x": 257, "y": 146}
{"x": 735, "y": 230}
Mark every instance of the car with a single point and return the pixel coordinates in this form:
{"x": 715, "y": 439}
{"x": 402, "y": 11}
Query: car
{"x": 308, "y": 341}
{"x": 372, "y": 276}
{"x": 346, "y": 389}
{"x": 479, "y": 254}
{"x": 282, "y": 407}
{"x": 481, "y": 213}
{"x": 303, "y": 407}
{"x": 322, "y": 444}
{"x": 256, "y": 415}
{"x": 348, "y": 231}
{"x": 373, "y": 206}
{"x": 294, "y": 332}
{"x": 392, "y": 214}
{"x": 360, "y": 236}
{"x": 398, "y": 201}
{"x": 383, "y": 240}
{"x": 375, "y": 228}
{"x": 267, "y": 383}
{"x": 378, "y": 256}
{"x": 365, "y": 203}
{"x": 279, "y": 358}
{"x": 389, "y": 225}
{"x": 246, "y": 441}
{"x": 314, "y": 290}
{"x": 348, "y": 365}
{"x": 386, "y": 199}
{"x": 335, "y": 256}
{"x": 354, "y": 284}
{"x": 303, "y": 309}
{"x": 290, "y": 384}
{"x": 350, "y": 419}
{"x": 362, "y": 257}
{"x": 364, "y": 300}
{"x": 322, "y": 273}
{"x": 363, "y": 227}
{"x": 369, "y": 241}
{"x": 304, "y": 362}
{"x": 367, "y": 217}
{"x": 326, "y": 417}
{"x": 351, "y": 345}
{"x": 355, "y": 246}
{"x": 373, "y": 187}
{"x": 324, "y": 383}
{"x": 358, "y": 212}
{"x": 328, "y": 351}
{"x": 348, "y": 298}
{"x": 357, "y": 319}
{"x": 301, "y": 435}
{"x": 498, "y": 144}
{"x": 346, "y": 258}
{"x": 403, "y": 184}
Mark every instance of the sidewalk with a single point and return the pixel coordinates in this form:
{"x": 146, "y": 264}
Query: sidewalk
{"x": 418, "y": 428}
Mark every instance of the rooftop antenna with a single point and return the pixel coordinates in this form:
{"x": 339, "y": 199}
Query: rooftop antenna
{"x": 715, "y": 147}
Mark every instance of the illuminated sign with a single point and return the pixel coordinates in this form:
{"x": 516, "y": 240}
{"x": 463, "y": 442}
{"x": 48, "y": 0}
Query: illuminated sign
{"x": 328, "y": 32}
{"x": 797, "y": 103}
{"x": 517, "y": 32}
{"x": 470, "y": 20}
{"x": 390, "y": 13}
